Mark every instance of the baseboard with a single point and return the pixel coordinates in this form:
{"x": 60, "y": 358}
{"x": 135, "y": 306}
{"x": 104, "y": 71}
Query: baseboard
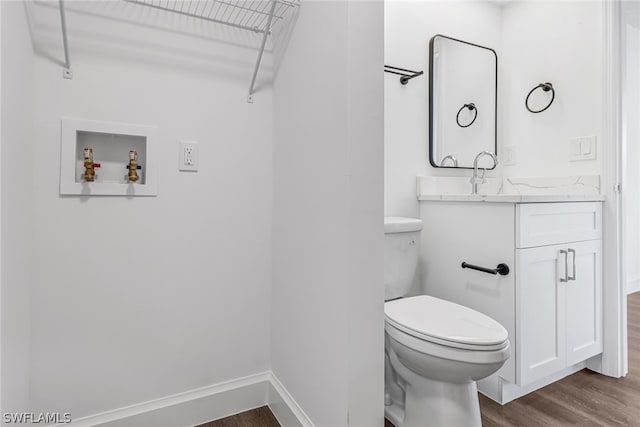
{"x": 284, "y": 406}
{"x": 633, "y": 286}
{"x": 503, "y": 392}
{"x": 205, "y": 404}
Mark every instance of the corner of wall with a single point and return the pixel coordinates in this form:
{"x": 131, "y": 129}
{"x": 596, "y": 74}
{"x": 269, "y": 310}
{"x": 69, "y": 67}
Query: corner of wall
{"x": 16, "y": 124}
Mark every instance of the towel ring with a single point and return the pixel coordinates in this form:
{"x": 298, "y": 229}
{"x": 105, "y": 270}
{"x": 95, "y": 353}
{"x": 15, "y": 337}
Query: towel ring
{"x": 472, "y": 107}
{"x": 546, "y": 87}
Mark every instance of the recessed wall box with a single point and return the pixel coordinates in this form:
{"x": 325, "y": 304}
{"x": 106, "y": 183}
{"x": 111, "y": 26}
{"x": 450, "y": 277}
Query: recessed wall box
{"x": 111, "y": 144}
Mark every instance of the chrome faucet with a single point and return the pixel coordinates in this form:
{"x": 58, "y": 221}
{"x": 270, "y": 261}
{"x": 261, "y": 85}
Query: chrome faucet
{"x": 450, "y": 157}
{"x": 475, "y": 180}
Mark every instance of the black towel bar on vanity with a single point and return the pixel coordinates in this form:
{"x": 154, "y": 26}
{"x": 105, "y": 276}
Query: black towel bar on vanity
{"x": 501, "y": 269}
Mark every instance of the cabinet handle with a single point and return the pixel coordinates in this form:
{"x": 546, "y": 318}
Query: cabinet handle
{"x": 573, "y": 277}
{"x": 566, "y": 266}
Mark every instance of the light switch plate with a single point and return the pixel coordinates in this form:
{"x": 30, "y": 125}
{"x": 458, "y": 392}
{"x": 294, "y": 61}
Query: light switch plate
{"x": 582, "y": 148}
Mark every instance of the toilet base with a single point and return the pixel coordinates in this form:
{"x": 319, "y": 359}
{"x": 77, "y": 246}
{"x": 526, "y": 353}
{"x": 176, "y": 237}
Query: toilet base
{"x": 432, "y": 403}
{"x": 437, "y": 404}
{"x": 394, "y": 413}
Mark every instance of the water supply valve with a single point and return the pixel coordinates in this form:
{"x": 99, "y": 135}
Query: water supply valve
{"x": 133, "y": 166}
{"x": 89, "y": 165}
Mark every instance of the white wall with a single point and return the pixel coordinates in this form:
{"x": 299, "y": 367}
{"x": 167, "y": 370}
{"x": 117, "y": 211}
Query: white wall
{"x": 536, "y": 41}
{"x": 133, "y": 299}
{"x": 327, "y": 325}
{"x": 558, "y": 42}
{"x": 139, "y": 298}
{"x": 631, "y": 140}
{"x": 16, "y": 153}
{"x": 408, "y": 28}
{"x": 365, "y": 224}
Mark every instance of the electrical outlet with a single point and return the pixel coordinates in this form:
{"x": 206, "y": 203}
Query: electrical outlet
{"x": 188, "y": 157}
{"x": 509, "y": 155}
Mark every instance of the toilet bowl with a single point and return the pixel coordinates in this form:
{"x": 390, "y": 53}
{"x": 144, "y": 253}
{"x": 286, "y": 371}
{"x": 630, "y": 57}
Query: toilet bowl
{"x": 435, "y": 350}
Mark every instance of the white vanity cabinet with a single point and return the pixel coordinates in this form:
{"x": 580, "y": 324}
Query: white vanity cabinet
{"x": 550, "y": 302}
{"x": 558, "y": 287}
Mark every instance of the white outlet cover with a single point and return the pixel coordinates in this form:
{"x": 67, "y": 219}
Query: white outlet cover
{"x": 188, "y": 156}
{"x": 509, "y": 155}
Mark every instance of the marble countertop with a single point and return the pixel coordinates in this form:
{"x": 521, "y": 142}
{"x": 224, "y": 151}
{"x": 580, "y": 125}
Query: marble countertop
{"x": 513, "y": 198}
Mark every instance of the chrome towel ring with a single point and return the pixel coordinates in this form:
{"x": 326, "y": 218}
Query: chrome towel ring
{"x": 472, "y": 107}
{"x": 546, "y": 87}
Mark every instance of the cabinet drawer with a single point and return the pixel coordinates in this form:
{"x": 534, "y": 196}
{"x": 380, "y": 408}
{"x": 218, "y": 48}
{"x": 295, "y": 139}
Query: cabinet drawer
{"x": 540, "y": 224}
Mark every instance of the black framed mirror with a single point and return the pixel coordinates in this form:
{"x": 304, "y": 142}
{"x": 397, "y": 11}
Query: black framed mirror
{"x": 463, "y": 98}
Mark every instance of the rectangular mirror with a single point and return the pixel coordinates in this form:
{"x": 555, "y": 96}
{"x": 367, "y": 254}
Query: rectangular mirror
{"x": 463, "y": 86}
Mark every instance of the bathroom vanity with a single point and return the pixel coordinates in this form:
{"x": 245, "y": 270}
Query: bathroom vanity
{"x": 550, "y": 301}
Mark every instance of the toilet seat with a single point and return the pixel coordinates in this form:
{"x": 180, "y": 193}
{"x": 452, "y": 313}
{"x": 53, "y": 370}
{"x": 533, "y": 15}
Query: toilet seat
{"x": 482, "y": 356}
{"x": 445, "y": 323}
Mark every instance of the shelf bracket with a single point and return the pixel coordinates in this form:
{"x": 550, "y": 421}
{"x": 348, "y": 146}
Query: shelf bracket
{"x": 265, "y": 35}
{"x": 66, "y": 72}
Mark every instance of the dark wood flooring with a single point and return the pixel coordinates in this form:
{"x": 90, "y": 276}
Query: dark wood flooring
{"x": 259, "y": 417}
{"x": 582, "y": 399}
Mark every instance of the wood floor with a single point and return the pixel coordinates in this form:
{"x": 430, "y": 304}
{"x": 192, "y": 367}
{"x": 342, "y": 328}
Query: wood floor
{"x": 582, "y": 399}
{"x": 259, "y": 417}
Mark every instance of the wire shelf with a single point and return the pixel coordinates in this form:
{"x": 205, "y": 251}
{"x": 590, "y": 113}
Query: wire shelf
{"x": 251, "y": 15}
{"x": 259, "y": 16}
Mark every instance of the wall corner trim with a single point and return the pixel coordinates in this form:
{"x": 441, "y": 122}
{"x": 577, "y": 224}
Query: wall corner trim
{"x": 205, "y": 404}
{"x": 284, "y": 406}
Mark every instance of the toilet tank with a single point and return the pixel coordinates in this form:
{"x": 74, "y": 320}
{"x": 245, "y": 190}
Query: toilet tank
{"x": 401, "y": 249}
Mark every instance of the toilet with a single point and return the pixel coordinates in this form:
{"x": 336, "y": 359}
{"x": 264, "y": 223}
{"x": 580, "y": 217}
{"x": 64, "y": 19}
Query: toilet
{"x": 435, "y": 350}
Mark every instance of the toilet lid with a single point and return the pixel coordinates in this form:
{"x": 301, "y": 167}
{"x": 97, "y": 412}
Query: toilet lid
{"x": 434, "y": 319}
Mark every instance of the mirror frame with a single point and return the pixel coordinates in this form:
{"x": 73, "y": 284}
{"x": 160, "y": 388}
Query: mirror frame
{"x": 431, "y": 111}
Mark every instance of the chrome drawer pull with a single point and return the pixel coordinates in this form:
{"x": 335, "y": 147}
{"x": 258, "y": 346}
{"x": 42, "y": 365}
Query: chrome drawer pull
{"x": 566, "y": 266}
{"x": 574, "y": 264}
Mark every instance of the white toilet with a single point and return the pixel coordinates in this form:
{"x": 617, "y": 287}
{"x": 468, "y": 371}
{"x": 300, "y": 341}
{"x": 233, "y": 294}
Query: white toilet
{"x": 435, "y": 350}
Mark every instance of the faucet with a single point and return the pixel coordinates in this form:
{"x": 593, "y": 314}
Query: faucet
{"x": 475, "y": 180}
{"x": 449, "y": 157}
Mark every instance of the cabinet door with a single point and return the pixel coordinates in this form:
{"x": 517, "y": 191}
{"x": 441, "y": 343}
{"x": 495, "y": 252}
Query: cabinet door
{"x": 584, "y": 301}
{"x": 540, "y": 316}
